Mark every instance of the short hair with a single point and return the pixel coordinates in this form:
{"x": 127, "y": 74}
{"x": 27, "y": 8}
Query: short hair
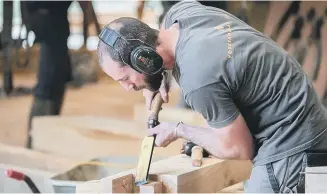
{"x": 128, "y": 28}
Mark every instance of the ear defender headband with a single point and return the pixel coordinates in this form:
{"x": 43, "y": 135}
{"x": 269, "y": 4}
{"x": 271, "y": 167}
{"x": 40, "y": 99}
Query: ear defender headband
{"x": 143, "y": 58}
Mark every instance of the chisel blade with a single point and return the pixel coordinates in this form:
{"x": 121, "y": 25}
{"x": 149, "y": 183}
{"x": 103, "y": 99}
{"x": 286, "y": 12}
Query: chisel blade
{"x": 143, "y": 167}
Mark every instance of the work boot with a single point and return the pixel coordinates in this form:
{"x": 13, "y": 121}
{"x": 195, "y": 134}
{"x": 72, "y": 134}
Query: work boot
{"x": 42, "y": 107}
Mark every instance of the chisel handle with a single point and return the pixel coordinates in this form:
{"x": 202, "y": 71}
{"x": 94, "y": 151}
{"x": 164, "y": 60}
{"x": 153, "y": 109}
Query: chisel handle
{"x": 155, "y": 109}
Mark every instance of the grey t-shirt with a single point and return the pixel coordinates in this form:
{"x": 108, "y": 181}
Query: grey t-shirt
{"x": 225, "y": 68}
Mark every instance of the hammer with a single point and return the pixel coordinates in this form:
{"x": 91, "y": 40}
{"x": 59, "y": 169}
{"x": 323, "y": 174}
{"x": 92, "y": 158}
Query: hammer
{"x": 196, "y": 153}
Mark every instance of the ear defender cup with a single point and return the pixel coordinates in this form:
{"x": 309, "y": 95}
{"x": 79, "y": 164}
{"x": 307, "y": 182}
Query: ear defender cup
{"x": 146, "y": 60}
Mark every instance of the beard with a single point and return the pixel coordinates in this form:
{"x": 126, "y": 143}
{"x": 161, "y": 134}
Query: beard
{"x": 152, "y": 83}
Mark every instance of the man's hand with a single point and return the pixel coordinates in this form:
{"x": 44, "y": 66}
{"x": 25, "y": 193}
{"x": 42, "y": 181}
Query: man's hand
{"x": 166, "y": 133}
{"x": 164, "y": 89}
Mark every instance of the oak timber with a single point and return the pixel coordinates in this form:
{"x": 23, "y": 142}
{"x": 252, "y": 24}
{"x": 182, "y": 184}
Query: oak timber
{"x": 179, "y": 176}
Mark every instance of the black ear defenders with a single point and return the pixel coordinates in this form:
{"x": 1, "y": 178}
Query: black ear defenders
{"x": 143, "y": 58}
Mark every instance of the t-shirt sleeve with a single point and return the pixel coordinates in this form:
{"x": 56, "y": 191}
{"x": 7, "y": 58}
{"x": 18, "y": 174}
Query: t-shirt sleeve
{"x": 178, "y": 10}
{"x": 214, "y": 103}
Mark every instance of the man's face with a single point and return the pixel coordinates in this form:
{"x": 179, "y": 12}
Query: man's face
{"x": 129, "y": 78}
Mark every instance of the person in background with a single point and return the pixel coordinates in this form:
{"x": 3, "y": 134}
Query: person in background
{"x": 48, "y": 20}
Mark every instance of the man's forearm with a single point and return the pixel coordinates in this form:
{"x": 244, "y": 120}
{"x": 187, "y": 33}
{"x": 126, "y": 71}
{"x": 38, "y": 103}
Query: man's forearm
{"x": 213, "y": 142}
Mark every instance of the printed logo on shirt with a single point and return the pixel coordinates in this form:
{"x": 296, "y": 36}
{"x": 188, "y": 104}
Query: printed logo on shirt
{"x": 229, "y": 37}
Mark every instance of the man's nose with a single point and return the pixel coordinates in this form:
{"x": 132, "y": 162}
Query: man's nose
{"x": 126, "y": 86}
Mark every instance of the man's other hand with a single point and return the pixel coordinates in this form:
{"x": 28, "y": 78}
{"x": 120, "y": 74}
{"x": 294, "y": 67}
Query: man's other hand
{"x": 164, "y": 89}
{"x": 165, "y": 132}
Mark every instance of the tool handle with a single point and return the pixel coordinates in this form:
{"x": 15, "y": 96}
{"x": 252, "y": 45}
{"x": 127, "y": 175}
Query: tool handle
{"x": 155, "y": 107}
{"x": 22, "y": 177}
{"x": 197, "y": 156}
{"x": 15, "y": 175}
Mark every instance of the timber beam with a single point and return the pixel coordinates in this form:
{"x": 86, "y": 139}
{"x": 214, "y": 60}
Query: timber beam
{"x": 176, "y": 175}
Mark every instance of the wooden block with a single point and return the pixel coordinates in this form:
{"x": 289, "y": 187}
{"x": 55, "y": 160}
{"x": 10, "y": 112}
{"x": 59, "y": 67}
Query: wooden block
{"x": 123, "y": 184}
{"x": 315, "y": 179}
{"x": 170, "y": 114}
{"x": 86, "y": 137}
{"x": 179, "y": 176}
{"x": 152, "y": 187}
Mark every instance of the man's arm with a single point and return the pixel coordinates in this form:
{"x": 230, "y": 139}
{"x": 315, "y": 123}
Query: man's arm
{"x": 231, "y": 142}
{"x": 227, "y": 136}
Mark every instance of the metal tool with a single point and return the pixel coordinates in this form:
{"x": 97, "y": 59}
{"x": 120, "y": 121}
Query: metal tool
{"x": 142, "y": 171}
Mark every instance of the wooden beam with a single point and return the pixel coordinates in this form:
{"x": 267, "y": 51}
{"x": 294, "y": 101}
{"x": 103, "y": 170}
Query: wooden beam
{"x": 87, "y": 137}
{"x": 179, "y": 176}
{"x": 170, "y": 114}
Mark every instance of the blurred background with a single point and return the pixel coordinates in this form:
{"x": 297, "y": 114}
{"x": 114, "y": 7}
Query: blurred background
{"x": 49, "y": 69}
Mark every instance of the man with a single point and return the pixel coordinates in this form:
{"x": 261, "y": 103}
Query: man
{"x": 49, "y": 21}
{"x": 166, "y": 5}
{"x": 257, "y": 101}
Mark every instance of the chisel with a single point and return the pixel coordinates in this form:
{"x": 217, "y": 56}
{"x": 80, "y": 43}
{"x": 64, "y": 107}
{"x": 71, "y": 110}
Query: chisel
{"x": 142, "y": 171}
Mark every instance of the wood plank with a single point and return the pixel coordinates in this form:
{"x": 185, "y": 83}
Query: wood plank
{"x": 315, "y": 179}
{"x": 170, "y": 114}
{"x": 86, "y": 137}
{"x": 123, "y": 184}
{"x": 179, "y": 176}
{"x": 33, "y": 159}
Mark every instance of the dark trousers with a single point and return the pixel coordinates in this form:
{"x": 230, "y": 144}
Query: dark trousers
{"x": 49, "y": 22}
{"x": 288, "y": 174}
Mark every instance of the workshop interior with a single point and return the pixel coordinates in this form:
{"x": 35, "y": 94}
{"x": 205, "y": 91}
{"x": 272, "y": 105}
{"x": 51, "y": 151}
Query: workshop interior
{"x": 67, "y": 127}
